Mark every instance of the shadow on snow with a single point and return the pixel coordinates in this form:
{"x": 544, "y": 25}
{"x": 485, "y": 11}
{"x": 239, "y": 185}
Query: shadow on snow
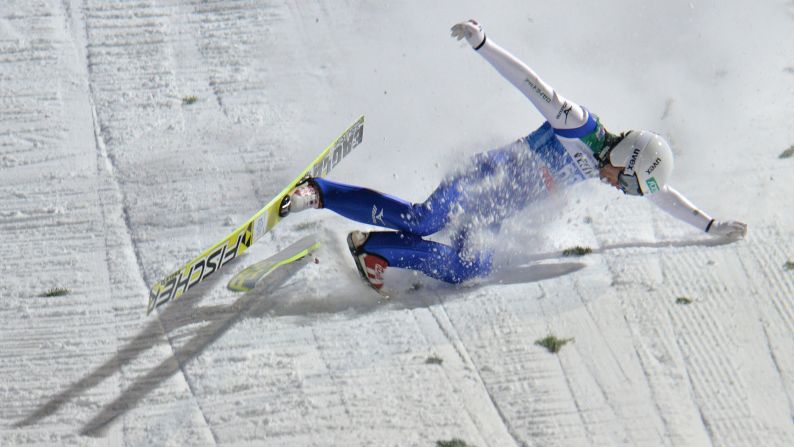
{"x": 251, "y": 305}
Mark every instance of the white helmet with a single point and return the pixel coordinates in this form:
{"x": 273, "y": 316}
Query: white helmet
{"x": 647, "y": 161}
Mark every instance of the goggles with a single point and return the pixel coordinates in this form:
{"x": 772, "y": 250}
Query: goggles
{"x": 629, "y": 184}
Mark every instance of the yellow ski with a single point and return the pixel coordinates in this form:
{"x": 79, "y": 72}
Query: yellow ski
{"x": 216, "y": 257}
{"x": 248, "y": 278}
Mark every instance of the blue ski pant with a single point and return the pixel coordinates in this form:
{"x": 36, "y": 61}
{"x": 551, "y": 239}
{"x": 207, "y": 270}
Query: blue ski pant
{"x": 405, "y": 248}
{"x": 491, "y": 187}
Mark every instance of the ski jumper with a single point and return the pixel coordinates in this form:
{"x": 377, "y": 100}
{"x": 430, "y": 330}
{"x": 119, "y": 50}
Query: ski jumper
{"x": 494, "y": 185}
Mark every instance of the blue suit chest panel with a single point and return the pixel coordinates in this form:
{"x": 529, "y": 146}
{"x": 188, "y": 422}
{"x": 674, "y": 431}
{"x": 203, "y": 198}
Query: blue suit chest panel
{"x": 560, "y": 168}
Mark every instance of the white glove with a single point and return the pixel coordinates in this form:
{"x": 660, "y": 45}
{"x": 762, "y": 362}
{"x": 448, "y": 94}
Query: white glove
{"x": 729, "y": 228}
{"x": 472, "y": 31}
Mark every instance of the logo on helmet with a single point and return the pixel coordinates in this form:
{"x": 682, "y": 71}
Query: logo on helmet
{"x": 652, "y": 185}
{"x": 633, "y": 161}
{"x": 653, "y": 166}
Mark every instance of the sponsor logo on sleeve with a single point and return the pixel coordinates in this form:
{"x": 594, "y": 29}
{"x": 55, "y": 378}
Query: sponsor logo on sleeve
{"x": 538, "y": 90}
{"x": 564, "y": 110}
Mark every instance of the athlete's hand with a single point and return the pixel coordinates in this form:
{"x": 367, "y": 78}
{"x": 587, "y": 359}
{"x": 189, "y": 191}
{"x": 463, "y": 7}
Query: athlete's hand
{"x": 472, "y": 31}
{"x": 729, "y": 228}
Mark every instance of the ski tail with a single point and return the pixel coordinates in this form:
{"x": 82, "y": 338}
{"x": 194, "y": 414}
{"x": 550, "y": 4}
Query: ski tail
{"x": 248, "y": 278}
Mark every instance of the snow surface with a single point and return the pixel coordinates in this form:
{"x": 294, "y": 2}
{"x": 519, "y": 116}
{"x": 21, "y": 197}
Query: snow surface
{"x": 108, "y": 181}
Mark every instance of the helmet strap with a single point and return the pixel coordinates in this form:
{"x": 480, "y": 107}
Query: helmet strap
{"x": 610, "y": 141}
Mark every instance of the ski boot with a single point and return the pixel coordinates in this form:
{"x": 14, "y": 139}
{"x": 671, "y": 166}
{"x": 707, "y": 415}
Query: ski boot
{"x": 370, "y": 266}
{"x": 306, "y": 195}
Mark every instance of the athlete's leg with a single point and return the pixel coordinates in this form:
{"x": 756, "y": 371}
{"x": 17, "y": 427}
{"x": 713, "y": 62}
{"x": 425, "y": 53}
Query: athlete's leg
{"x": 375, "y": 208}
{"x": 492, "y": 186}
{"x": 435, "y": 260}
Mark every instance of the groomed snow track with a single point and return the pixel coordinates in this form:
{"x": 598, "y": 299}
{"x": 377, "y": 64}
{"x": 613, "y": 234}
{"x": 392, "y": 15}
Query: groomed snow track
{"x": 134, "y": 134}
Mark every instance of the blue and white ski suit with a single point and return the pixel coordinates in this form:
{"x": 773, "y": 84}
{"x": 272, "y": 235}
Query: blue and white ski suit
{"x": 493, "y": 186}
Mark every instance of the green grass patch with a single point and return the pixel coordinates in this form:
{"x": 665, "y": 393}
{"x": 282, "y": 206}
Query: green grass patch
{"x": 434, "y": 360}
{"x": 789, "y": 265}
{"x": 552, "y": 343}
{"x": 577, "y": 251}
{"x": 683, "y": 300}
{"x": 455, "y": 442}
{"x": 788, "y": 153}
{"x": 190, "y": 99}
{"x": 56, "y": 291}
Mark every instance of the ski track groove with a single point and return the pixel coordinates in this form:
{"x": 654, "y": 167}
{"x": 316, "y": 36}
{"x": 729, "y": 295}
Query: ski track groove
{"x": 472, "y": 420}
{"x": 219, "y": 29}
{"x": 137, "y": 76}
{"x": 450, "y": 333}
{"x": 535, "y": 408}
{"x": 768, "y": 259}
{"x": 779, "y": 370}
{"x": 701, "y": 329}
{"x": 648, "y": 335}
{"x": 703, "y": 426}
{"x": 641, "y": 360}
{"x": 709, "y": 323}
{"x": 105, "y": 154}
{"x": 580, "y": 413}
{"x": 699, "y": 377}
{"x": 616, "y": 414}
{"x": 645, "y": 366}
{"x": 26, "y": 151}
{"x": 693, "y": 392}
{"x": 330, "y": 371}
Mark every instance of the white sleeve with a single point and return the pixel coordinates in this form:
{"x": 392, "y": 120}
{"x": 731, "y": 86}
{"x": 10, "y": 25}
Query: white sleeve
{"x": 679, "y": 207}
{"x": 558, "y": 111}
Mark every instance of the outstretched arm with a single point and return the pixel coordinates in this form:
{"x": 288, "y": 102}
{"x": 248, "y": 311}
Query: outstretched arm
{"x": 679, "y": 207}
{"x": 558, "y": 111}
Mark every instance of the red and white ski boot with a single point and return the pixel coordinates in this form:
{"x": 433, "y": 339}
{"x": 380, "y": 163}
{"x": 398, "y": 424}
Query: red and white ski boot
{"x": 370, "y": 266}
